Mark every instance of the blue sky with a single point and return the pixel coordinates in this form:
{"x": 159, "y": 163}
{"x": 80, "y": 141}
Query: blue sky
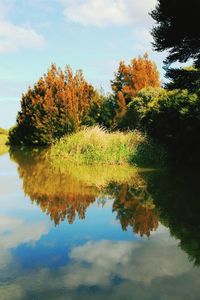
{"x": 93, "y": 35}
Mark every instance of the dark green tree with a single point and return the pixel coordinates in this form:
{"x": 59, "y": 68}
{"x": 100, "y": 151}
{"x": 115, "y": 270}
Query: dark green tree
{"x": 184, "y": 78}
{"x": 177, "y": 30}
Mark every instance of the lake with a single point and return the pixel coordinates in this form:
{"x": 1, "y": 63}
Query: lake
{"x": 97, "y": 232}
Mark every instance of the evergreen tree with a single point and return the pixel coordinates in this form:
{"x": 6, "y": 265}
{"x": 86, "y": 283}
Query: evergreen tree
{"x": 177, "y": 30}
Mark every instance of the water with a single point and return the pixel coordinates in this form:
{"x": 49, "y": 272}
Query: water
{"x": 75, "y": 232}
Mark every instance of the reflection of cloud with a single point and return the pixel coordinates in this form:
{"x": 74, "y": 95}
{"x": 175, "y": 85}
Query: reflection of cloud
{"x": 9, "y": 292}
{"x": 145, "y": 269}
{"x": 14, "y": 232}
{"x": 5, "y": 258}
{"x": 141, "y": 262}
{"x": 104, "y": 257}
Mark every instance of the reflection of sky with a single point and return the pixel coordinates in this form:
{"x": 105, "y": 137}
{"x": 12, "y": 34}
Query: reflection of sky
{"x": 91, "y": 259}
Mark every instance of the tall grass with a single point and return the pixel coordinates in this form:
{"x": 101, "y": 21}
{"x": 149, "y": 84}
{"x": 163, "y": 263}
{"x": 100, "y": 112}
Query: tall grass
{"x": 97, "y": 146}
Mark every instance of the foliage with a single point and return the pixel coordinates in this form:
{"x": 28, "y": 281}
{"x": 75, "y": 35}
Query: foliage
{"x": 138, "y": 107}
{"x": 101, "y": 112}
{"x": 130, "y": 79}
{"x": 175, "y": 32}
{"x": 55, "y": 106}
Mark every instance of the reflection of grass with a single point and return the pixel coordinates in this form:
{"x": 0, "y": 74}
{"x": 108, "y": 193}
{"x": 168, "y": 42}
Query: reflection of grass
{"x": 96, "y": 145}
{"x": 97, "y": 175}
{"x": 3, "y": 140}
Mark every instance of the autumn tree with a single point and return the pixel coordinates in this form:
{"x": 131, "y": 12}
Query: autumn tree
{"x": 55, "y": 106}
{"x": 130, "y": 79}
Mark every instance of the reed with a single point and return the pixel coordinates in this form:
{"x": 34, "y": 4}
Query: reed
{"x": 95, "y": 145}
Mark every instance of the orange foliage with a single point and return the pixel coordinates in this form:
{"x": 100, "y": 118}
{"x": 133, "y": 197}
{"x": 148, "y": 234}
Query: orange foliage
{"x": 53, "y": 107}
{"x": 130, "y": 79}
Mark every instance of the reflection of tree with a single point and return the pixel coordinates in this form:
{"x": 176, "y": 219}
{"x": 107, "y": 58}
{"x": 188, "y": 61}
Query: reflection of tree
{"x": 177, "y": 199}
{"x": 138, "y": 198}
{"x": 64, "y": 192}
{"x": 57, "y": 194}
{"x": 134, "y": 207}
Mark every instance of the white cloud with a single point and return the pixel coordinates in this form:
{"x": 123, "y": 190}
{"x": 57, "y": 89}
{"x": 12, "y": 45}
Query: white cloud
{"x": 14, "y": 37}
{"x": 102, "y": 13}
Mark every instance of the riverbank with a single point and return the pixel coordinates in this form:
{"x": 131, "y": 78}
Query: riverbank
{"x": 95, "y": 145}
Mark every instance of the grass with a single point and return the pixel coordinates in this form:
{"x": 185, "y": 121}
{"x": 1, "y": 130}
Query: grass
{"x": 3, "y": 141}
{"x": 97, "y": 146}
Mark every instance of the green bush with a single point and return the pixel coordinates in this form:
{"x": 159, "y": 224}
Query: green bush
{"x": 172, "y": 118}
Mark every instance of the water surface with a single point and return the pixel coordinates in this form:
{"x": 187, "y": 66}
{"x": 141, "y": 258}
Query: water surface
{"x": 75, "y": 232}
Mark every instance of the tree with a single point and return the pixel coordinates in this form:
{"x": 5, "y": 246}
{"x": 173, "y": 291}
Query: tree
{"x": 184, "y": 78}
{"x": 130, "y": 79}
{"x": 55, "y": 106}
{"x": 177, "y": 30}
{"x": 172, "y": 119}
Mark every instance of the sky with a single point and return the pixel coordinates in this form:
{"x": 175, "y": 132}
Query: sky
{"x": 92, "y": 35}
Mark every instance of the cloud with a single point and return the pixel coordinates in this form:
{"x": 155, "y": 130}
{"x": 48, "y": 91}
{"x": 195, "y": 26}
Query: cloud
{"x": 14, "y": 37}
{"x": 103, "y": 13}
